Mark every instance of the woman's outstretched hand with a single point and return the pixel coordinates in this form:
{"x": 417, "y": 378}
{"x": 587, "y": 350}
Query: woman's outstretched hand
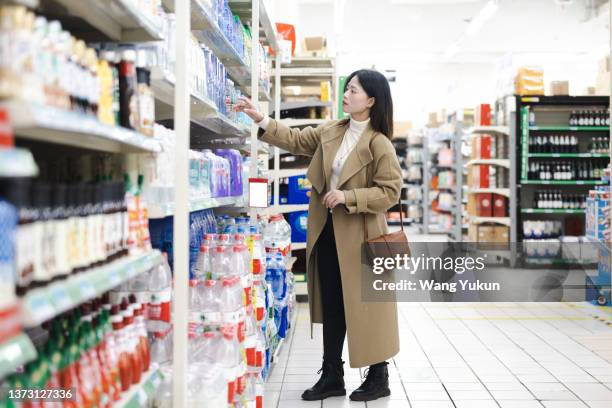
{"x": 245, "y": 105}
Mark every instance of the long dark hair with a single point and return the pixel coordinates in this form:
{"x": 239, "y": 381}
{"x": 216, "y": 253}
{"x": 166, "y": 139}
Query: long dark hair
{"x": 376, "y": 86}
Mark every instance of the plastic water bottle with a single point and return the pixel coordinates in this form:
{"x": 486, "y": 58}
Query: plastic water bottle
{"x": 195, "y": 296}
{"x": 221, "y": 262}
{"x": 160, "y": 288}
{"x": 211, "y": 301}
{"x": 203, "y": 269}
{"x": 276, "y": 237}
{"x": 206, "y": 386}
{"x": 229, "y": 360}
{"x": 275, "y": 275}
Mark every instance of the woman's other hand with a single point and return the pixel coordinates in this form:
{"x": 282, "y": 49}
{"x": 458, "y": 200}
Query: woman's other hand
{"x": 245, "y": 105}
{"x": 332, "y": 198}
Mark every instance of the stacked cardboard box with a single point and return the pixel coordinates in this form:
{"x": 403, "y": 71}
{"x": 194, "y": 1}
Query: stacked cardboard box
{"x": 488, "y": 233}
{"x": 529, "y": 81}
{"x": 559, "y": 88}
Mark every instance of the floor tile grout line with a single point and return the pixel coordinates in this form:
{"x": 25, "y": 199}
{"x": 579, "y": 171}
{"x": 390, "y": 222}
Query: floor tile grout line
{"x": 535, "y": 334}
{"x": 497, "y": 357}
{"x": 428, "y": 359}
{"x": 531, "y": 356}
{"x": 461, "y": 355}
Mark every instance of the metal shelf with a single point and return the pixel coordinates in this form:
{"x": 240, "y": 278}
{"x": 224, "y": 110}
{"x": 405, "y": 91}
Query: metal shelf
{"x": 138, "y": 395}
{"x": 491, "y": 129}
{"x": 157, "y": 211}
{"x": 497, "y": 220}
{"x": 40, "y": 305}
{"x": 298, "y": 246}
{"x": 119, "y": 20}
{"x": 307, "y": 72}
{"x": 493, "y": 162}
{"x": 17, "y": 162}
{"x": 552, "y": 211}
{"x": 285, "y": 208}
{"x": 303, "y": 122}
{"x": 569, "y": 155}
{"x": 564, "y": 182}
{"x": 15, "y": 352}
{"x": 206, "y": 30}
{"x": 291, "y": 172}
{"x": 570, "y": 128}
{"x": 243, "y": 9}
{"x": 52, "y": 125}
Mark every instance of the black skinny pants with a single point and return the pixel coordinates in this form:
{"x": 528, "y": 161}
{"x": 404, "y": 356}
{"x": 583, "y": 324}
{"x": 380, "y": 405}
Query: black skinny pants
{"x": 334, "y": 324}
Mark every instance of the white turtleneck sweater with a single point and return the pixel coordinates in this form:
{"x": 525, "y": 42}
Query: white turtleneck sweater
{"x": 351, "y": 137}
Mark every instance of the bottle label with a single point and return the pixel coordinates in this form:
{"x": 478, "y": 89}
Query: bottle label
{"x": 23, "y": 255}
{"x": 159, "y": 308}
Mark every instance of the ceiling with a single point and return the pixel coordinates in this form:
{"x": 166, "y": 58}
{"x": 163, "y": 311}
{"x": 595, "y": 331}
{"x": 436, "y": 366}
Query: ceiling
{"x": 405, "y": 32}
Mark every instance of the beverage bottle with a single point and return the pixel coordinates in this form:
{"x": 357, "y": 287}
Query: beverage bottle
{"x": 195, "y": 296}
{"x": 203, "y": 268}
{"x": 160, "y": 287}
{"x": 223, "y": 240}
{"x": 276, "y": 237}
{"x": 228, "y": 360}
{"x": 211, "y": 301}
{"x": 140, "y": 331}
{"x": 221, "y": 262}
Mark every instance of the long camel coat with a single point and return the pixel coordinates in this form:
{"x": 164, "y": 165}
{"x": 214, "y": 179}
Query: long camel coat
{"x": 372, "y": 329}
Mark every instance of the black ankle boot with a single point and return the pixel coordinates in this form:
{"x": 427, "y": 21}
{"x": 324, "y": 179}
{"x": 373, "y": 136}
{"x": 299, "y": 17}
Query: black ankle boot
{"x": 376, "y": 384}
{"x": 331, "y": 383}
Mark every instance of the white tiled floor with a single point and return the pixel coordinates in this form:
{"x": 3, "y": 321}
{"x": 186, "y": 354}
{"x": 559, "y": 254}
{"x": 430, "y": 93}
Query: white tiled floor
{"x": 471, "y": 355}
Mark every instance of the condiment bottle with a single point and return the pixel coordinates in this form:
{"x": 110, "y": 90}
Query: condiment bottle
{"x": 128, "y": 102}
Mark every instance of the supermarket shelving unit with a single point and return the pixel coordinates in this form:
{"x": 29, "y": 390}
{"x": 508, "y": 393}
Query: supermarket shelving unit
{"x": 302, "y": 71}
{"x": 415, "y": 143}
{"x": 195, "y": 119}
{"x": 551, "y": 117}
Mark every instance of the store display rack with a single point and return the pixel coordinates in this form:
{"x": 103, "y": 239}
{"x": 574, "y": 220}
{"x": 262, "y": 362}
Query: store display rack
{"x": 138, "y": 395}
{"x": 16, "y": 352}
{"x": 52, "y": 125}
{"x": 40, "y": 305}
{"x": 540, "y": 117}
{"x": 208, "y": 32}
{"x": 121, "y": 21}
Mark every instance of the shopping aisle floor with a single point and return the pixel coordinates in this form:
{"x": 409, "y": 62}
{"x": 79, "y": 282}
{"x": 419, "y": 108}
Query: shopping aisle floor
{"x": 471, "y": 355}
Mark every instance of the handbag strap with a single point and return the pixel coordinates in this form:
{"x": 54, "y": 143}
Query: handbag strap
{"x": 365, "y": 226}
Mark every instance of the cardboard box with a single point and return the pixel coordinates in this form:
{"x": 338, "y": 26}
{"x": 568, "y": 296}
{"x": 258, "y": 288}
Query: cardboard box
{"x": 500, "y": 206}
{"x": 499, "y": 234}
{"x": 433, "y": 120}
{"x": 482, "y": 115}
{"x": 488, "y": 233}
{"x": 590, "y": 91}
{"x": 559, "y": 88}
{"x": 481, "y": 147}
{"x": 314, "y": 46}
{"x": 479, "y": 176}
{"x": 484, "y": 205}
{"x": 530, "y": 72}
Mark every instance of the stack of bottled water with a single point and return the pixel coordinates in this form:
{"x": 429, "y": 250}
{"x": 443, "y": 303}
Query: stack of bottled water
{"x": 238, "y": 308}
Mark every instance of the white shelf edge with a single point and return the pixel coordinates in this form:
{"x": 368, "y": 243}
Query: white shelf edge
{"x": 286, "y": 208}
{"x": 52, "y": 125}
{"x": 494, "y": 162}
{"x": 40, "y": 305}
{"x": 491, "y": 129}
{"x": 158, "y": 211}
{"x": 500, "y": 191}
{"x": 291, "y": 172}
{"x": 498, "y": 220}
{"x": 298, "y": 246}
{"x": 303, "y": 122}
{"x": 138, "y": 390}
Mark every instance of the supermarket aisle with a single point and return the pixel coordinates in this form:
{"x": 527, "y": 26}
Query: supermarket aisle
{"x": 472, "y": 355}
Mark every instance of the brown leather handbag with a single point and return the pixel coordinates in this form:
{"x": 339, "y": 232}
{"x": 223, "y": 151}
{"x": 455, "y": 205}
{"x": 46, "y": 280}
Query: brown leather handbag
{"x": 387, "y": 245}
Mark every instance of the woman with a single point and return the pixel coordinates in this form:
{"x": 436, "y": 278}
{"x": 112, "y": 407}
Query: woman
{"x": 356, "y": 178}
